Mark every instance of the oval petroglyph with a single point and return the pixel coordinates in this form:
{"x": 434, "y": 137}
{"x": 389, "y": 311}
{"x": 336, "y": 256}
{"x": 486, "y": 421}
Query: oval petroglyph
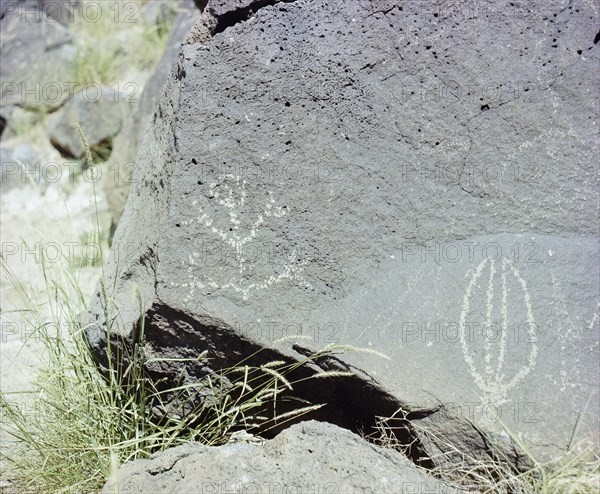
{"x": 490, "y": 373}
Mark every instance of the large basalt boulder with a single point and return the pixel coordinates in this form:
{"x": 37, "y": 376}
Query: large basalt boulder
{"x": 412, "y": 179}
{"x": 308, "y": 457}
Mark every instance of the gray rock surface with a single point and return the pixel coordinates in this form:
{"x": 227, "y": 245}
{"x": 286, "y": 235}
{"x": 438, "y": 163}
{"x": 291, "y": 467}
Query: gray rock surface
{"x": 307, "y": 457}
{"x": 414, "y": 178}
{"x": 99, "y": 111}
{"x": 116, "y": 183}
{"x": 62, "y": 11}
{"x": 36, "y": 51}
{"x": 8, "y": 7}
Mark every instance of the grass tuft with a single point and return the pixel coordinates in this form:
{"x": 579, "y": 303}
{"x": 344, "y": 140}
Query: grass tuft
{"x": 88, "y": 423}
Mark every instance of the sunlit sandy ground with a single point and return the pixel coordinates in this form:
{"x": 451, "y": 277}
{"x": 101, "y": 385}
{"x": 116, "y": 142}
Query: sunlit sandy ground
{"x": 59, "y": 217}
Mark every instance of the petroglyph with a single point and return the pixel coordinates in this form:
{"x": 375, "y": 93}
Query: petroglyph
{"x": 230, "y": 192}
{"x": 493, "y": 379}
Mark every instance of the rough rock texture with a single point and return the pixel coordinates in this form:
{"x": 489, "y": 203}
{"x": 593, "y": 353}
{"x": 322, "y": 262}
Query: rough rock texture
{"x": 410, "y": 177}
{"x": 99, "y": 112}
{"x": 35, "y": 52}
{"x": 307, "y": 457}
{"x": 117, "y": 182}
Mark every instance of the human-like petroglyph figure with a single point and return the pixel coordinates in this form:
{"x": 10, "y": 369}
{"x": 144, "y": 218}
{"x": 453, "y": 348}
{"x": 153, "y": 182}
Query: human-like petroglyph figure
{"x": 230, "y": 192}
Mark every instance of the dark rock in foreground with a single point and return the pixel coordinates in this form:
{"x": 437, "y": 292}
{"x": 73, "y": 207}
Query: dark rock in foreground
{"x": 308, "y": 457}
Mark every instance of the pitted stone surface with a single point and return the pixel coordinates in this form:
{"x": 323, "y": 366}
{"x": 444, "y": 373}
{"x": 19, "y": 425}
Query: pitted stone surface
{"x": 412, "y": 177}
{"x": 308, "y": 457}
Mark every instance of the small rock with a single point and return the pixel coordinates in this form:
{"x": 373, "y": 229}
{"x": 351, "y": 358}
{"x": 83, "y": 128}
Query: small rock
{"x": 97, "y": 112}
{"x": 245, "y": 437}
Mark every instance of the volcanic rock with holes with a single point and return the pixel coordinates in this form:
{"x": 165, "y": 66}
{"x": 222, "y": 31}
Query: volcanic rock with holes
{"x": 122, "y": 160}
{"x": 308, "y": 457}
{"x": 417, "y": 179}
